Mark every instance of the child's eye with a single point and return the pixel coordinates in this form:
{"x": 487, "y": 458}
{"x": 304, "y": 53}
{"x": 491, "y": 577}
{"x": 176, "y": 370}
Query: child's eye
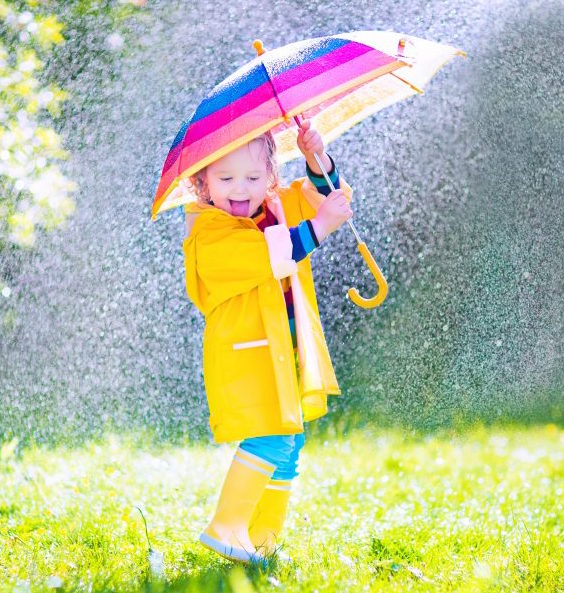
{"x": 225, "y": 178}
{"x": 253, "y": 178}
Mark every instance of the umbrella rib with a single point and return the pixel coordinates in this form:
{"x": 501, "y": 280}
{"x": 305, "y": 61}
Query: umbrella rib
{"x": 273, "y": 89}
{"x": 415, "y": 88}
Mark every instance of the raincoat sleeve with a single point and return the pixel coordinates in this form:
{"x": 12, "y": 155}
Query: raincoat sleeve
{"x": 319, "y": 180}
{"x": 223, "y": 262}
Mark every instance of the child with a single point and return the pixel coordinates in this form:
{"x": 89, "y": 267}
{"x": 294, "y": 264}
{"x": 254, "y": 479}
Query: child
{"x": 250, "y": 275}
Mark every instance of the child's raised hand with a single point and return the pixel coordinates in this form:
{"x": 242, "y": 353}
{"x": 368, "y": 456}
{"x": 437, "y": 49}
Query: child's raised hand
{"x": 332, "y": 213}
{"x": 309, "y": 139}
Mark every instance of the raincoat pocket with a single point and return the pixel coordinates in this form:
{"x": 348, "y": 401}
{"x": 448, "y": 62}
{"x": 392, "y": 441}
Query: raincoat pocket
{"x": 247, "y": 374}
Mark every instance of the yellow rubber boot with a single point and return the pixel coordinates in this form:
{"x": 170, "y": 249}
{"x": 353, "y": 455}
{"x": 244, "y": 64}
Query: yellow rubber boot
{"x": 227, "y": 534}
{"x": 270, "y": 513}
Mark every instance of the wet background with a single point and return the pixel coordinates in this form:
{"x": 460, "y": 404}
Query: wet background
{"x": 458, "y": 194}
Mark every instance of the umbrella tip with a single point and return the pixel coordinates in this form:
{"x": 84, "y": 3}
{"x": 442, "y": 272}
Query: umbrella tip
{"x": 257, "y": 44}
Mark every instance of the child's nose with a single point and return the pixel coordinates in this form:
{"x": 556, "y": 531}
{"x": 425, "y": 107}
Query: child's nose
{"x": 241, "y": 185}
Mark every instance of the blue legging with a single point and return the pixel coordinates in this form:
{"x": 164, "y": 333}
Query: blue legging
{"x": 281, "y": 450}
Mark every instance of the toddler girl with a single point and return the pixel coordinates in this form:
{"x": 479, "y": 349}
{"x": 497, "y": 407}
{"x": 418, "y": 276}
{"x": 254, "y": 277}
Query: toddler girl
{"x": 266, "y": 364}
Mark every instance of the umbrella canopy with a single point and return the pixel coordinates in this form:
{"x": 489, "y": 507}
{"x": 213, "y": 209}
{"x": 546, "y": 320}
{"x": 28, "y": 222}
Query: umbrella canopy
{"x": 336, "y": 81}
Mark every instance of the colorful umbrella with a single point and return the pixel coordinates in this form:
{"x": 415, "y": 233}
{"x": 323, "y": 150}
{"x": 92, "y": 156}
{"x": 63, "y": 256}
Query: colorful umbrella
{"x": 336, "y": 81}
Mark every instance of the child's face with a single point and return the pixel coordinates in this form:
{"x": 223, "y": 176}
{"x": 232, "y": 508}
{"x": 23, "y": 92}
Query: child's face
{"x": 237, "y": 182}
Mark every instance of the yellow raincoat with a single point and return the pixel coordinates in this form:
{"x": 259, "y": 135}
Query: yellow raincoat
{"x": 249, "y": 370}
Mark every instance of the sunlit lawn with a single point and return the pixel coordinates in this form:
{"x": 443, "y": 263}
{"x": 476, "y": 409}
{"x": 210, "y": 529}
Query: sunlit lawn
{"x": 373, "y": 511}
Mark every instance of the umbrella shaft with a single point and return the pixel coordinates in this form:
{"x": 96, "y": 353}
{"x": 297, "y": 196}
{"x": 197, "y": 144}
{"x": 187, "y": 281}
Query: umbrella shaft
{"x": 329, "y": 182}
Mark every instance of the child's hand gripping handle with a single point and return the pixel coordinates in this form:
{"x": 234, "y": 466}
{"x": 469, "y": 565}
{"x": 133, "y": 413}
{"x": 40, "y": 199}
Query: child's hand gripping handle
{"x": 334, "y": 211}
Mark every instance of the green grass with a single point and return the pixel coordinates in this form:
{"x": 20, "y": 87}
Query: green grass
{"x": 375, "y": 511}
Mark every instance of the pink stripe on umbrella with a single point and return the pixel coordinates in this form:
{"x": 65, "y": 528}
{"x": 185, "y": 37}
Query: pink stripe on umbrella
{"x": 223, "y": 116}
{"x": 171, "y": 157}
{"x": 374, "y": 63}
{"x": 233, "y": 130}
{"x": 168, "y": 177}
{"x": 325, "y": 63}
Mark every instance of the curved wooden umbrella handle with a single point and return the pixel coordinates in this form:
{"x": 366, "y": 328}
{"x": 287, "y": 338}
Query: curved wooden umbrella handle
{"x": 380, "y": 296}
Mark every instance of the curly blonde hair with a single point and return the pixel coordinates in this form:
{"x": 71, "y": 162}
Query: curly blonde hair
{"x": 199, "y": 183}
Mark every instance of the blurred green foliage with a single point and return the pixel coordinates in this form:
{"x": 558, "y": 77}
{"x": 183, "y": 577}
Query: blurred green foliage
{"x": 35, "y": 193}
{"x": 43, "y": 43}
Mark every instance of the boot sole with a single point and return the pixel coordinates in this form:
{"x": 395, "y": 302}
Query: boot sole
{"x": 230, "y": 552}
